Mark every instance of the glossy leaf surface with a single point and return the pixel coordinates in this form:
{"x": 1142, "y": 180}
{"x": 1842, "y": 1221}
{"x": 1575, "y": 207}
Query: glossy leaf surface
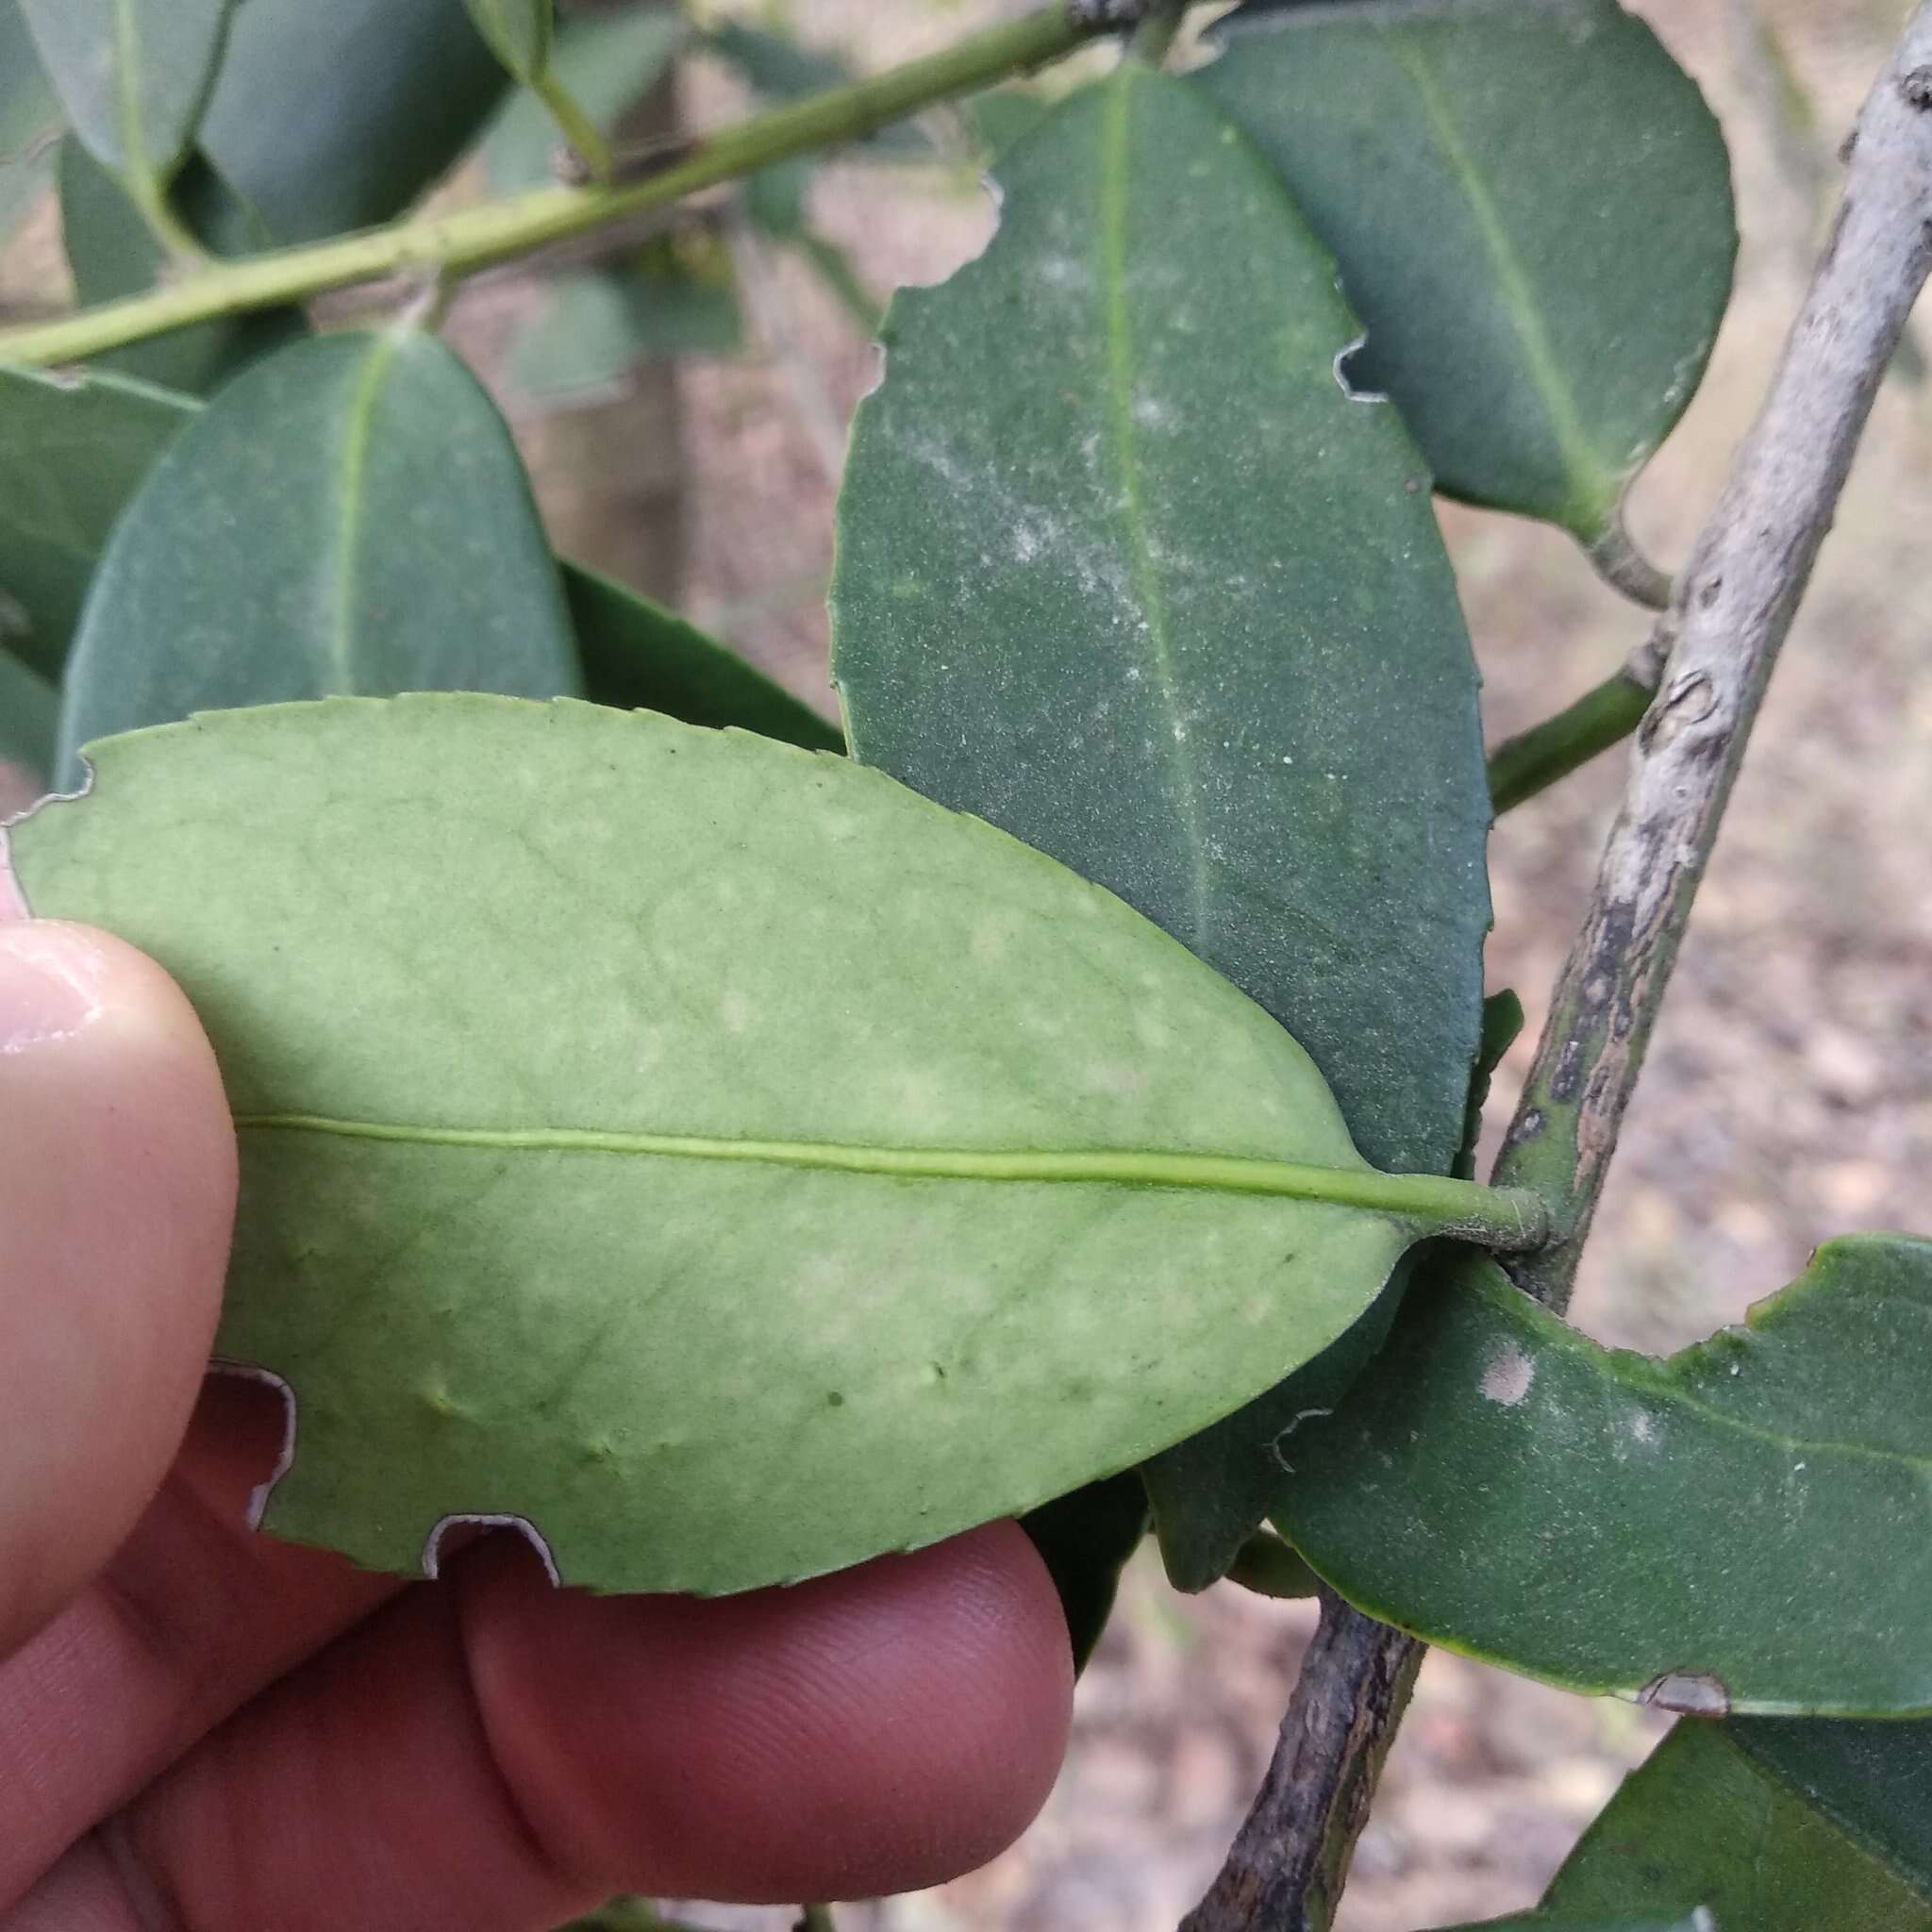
{"x": 1702, "y": 1820}
{"x": 75, "y": 450}
{"x": 349, "y": 516}
{"x": 337, "y": 116}
{"x": 1531, "y": 206}
{"x": 1123, "y": 569}
{"x": 29, "y": 120}
{"x": 1679, "y": 1530}
{"x": 607, "y": 63}
{"x": 133, "y": 75}
{"x": 518, "y": 33}
{"x": 688, "y": 1182}
{"x": 113, "y": 252}
{"x": 637, "y": 656}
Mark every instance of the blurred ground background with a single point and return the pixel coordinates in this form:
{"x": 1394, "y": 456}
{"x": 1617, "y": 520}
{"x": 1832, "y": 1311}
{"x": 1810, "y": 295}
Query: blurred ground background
{"x": 1790, "y": 1089}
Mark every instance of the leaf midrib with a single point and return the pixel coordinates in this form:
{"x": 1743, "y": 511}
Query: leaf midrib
{"x": 1519, "y": 298}
{"x": 343, "y": 563}
{"x": 1413, "y": 1196}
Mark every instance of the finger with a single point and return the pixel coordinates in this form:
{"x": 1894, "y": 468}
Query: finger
{"x": 195, "y": 1615}
{"x": 117, "y": 1193}
{"x": 498, "y": 1755}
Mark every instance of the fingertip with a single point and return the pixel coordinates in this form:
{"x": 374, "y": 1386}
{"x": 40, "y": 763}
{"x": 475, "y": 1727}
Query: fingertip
{"x": 117, "y": 1192}
{"x": 872, "y": 1732}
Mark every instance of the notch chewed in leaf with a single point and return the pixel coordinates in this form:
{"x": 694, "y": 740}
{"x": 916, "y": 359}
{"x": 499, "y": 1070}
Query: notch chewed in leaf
{"x": 1704, "y": 1511}
{"x": 711, "y": 1153}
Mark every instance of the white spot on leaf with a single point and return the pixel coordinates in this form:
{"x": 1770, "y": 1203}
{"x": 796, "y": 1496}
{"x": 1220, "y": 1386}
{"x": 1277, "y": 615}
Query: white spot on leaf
{"x": 1507, "y": 1378}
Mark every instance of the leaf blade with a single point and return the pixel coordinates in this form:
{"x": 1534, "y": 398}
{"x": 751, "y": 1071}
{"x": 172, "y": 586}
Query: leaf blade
{"x": 349, "y": 515}
{"x": 1701, "y": 1820}
{"x": 1539, "y": 242}
{"x": 1051, "y": 457}
{"x": 954, "y": 1340}
{"x": 75, "y": 450}
{"x": 133, "y": 75}
{"x": 1695, "y": 1505}
{"x": 637, "y": 656}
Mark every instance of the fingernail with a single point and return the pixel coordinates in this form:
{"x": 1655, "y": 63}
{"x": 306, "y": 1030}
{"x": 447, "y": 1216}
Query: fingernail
{"x": 50, "y": 984}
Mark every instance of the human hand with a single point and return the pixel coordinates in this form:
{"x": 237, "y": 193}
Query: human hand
{"x": 204, "y": 1730}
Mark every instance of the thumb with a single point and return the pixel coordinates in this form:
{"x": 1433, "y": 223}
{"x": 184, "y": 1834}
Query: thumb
{"x": 117, "y": 1193}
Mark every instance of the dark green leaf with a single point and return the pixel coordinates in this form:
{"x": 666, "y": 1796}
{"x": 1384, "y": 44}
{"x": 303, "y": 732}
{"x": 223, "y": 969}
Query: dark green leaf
{"x": 637, "y": 656}
{"x": 1702, "y": 1820}
{"x": 782, "y": 69}
{"x": 1872, "y": 1780}
{"x": 1085, "y": 1540}
{"x": 1695, "y": 1920}
{"x": 1118, "y": 570}
{"x": 29, "y": 120}
{"x": 113, "y": 252}
{"x": 338, "y": 115}
{"x": 596, "y": 324}
{"x": 27, "y": 709}
{"x": 1679, "y": 1531}
{"x": 1271, "y": 1567}
{"x": 132, "y": 75}
{"x": 608, "y": 63}
{"x": 640, "y": 1136}
{"x": 76, "y": 447}
{"x": 1531, "y": 205}
{"x": 348, "y": 516}
{"x": 519, "y": 32}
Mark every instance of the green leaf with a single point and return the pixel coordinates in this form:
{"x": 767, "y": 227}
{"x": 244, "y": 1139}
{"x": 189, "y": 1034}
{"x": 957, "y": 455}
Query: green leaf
{"x": 1678, "y": 1531}
{"x": 1695, "y": 1920}
{"x": 1706, "y": 1820}
{"x": 349, "y": 516}
{"x": 607, "y": 63}
{"x": 132, "y": 75}
{"x": 1002, "y": 115}
{"x": 1085, "y": 1540}
{"x": 29, "y": 121}
{"x": 1531, "y": 205}
{"x": 339, "y": 115}
{"x": 1115, "y": 572}
{"x": 76, "y": 447}
{"x": 519, "y": 32}
{"x": 637, "y": 656}
{"x": 113, "y": 252}
{"x": 611, "y": 1160}
{"x": 782, "y": 69}
{"x": 27, "y": 709}
{"x": 596, "y": 324}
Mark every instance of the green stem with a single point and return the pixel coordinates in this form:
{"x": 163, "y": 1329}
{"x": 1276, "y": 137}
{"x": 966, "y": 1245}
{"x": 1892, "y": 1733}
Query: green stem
{"x": 1521, "y": 766}
{"x": 815, "y": 1919}
{"x": 181, "y": 245}
{"x": 1625, "y": 568}
{"x": 585, "y": 137}
{"x": 1510, "y": 1221}
{"x": 472, "y": 238}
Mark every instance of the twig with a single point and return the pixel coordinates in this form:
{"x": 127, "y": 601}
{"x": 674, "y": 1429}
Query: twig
{"x": 1730, "y": 614}
{"x": 1720, "y": 638}
{"x": 471, "y": 239}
